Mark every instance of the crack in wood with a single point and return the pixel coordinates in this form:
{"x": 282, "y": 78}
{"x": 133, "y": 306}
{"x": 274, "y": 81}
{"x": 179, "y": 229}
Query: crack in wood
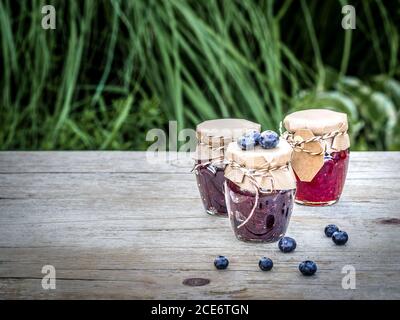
{"x": 229, "y": 292}
{"x": 389, "y": 221}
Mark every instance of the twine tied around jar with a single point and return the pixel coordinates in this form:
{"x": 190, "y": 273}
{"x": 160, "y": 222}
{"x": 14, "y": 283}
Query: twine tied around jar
{"x": 252, "y": 174}
{"x": 220, "y": 160}
{"x": 299, "y": 143}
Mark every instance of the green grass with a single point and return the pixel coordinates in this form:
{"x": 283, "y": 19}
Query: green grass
{"x": 112, "y": 70}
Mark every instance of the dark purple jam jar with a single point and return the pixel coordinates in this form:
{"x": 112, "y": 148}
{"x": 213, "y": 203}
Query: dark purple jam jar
{"x": 213, "y": 137}
{"x": 210, "y": 180}
{"x": 259, "y": 191}
{"x": 270, "y": 218}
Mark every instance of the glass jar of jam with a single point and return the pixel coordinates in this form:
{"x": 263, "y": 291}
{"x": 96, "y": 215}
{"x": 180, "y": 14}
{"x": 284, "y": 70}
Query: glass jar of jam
{"x": 321, "y": 154}
{"x": 213, "y": 137}
{"x": 259, "y": 191}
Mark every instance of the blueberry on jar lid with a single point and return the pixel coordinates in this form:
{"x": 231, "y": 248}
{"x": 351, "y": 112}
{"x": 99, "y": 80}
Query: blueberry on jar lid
{"x": 254, "y": 134}
{"x": 246, "y": 142}
{"x": 340, "y": 237}
{"x": 308, "y": 268}
{"x": 287, "y": 244}
{"x": 221, "y": 262}
{"x": 268, "y": 139}
{"x": 330, "y": 229}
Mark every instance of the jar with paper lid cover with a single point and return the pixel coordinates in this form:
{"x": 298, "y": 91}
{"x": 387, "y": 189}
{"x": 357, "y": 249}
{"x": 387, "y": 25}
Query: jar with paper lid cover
{"x": 213, "y": 137}
{"x": 259, "y": 191}
{"x": 321, "y": 154}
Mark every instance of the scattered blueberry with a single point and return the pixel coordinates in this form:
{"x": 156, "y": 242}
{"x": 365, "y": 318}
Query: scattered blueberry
{"x": 308, "y": 268}
{"x": 221, "y": 262}
{"x": 340, "y": 237}
{"x": 268, "y": 139}
{"x": 330, "y": 229}
{"x": 246, "y": 142}
{"x": 265, "y": 264}
{"x": 287, "y": 244}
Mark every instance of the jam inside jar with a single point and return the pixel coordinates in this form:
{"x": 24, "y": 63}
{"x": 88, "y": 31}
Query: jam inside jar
{"x": 327, "y": 185}
{"x": 270, "y": 218}
{"x": 210, "y": 181}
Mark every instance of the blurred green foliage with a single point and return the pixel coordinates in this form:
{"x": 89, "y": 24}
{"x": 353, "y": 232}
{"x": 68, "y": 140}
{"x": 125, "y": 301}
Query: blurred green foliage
{"x": 114, "y": 69}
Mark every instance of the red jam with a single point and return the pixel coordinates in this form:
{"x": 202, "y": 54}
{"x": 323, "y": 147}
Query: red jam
{"x": 210, "y": 180}
{"x": 326, "y": 187}
{"x": 271, "y": 216}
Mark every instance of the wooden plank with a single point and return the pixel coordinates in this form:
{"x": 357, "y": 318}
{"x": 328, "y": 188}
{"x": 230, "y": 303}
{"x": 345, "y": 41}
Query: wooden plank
{"x": 123, "y": 161}
{"x": 116, "y": 227}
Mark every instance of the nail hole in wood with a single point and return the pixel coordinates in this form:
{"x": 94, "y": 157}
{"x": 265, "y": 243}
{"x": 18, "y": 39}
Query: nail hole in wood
{"x": 196, "y": 282}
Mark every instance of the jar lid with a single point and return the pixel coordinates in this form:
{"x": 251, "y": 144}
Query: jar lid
{"x": 319, "y": 121}
{"x": 227, "y": 129}
{"x": 269, "y": 168}
{"x": 259, "y": 157}
{"x": 214, "y": 136}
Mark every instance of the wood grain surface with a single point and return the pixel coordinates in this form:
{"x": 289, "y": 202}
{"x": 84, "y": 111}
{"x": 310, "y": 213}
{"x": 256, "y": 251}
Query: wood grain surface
{"x": 118, "y": 227}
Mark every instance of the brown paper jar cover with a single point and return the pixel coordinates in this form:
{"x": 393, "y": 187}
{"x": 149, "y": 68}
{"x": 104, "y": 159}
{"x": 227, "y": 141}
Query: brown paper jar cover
{"x": 320, "y": 122}
{"x": 306, "y": 124}
{"x": 257, "y": 159}
{"x": 214, "y": 136}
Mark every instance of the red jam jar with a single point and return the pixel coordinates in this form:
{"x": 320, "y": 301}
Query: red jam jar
{"x": 213, "y": 137}
{"x": 321, "y": 154}
{"x": 259, "y": 191}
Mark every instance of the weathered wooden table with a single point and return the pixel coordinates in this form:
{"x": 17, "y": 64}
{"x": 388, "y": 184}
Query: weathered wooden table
{"x": 115, "y": 226}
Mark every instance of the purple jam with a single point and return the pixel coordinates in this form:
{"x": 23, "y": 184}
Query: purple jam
{"x": 327, "y": 185}
{"x": 210, "y": 180}
{"x": 270, "y": 219}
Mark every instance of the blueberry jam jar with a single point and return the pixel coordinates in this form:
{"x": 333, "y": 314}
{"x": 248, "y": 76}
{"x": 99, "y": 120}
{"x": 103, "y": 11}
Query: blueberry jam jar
{"x": 210, "y": 181}
{"x": 259, "y": 192}
{"x": 213, "y": 137}
{"x": 321, "y": 154}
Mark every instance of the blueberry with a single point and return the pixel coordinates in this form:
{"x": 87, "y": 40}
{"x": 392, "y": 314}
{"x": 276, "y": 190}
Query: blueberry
{"x": 221, "y": 262}
{"x": 330, "y": 229}
{"x": 246, "y": 142}
{"x": 268, "y": 139}
{"x": 265, "y": 264}
{"x": 308, "y": 268}
{"x": 340, "y": 237}
{"x": 287, "y": 244}
{"x": 254, "y": 134}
